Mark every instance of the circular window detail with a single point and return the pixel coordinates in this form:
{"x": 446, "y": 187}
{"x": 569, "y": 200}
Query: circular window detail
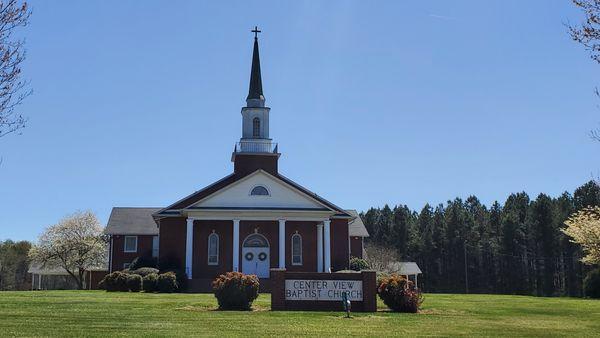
{"x": 262, "y": 256}
{"x": 249, "y": 256}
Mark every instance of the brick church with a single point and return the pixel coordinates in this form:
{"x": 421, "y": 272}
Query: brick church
{"x": 250, "y": 221}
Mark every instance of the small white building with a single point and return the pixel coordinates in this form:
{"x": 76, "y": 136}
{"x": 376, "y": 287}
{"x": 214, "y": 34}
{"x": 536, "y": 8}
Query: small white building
{"x": 408, "y": 269}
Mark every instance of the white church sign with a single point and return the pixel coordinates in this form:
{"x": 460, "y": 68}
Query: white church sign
{"x": 328, "y": 290}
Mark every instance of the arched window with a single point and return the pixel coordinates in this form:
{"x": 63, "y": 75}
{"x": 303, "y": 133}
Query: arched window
{"x": 213, "y": 249}
{"x": 259, "y": 190}
{"x": 296, "y": 249}
{"x": 256, "y": 127}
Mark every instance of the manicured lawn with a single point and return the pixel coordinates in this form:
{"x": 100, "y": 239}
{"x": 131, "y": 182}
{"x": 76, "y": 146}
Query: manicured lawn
{"x": 97, "y": 313}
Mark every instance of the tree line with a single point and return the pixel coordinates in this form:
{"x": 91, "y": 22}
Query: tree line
{"x": 14, "y": 265}
{"x": 464, "y": 246}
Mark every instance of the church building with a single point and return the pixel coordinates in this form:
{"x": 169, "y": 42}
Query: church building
{"x": 250, "y": 221}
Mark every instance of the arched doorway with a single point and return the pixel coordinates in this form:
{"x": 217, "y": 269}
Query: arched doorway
{"x": 255, "y": 256}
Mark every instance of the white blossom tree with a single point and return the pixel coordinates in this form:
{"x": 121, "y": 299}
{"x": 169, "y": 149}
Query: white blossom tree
{"x": 584, "y": 229}
{"x": 76, "y": 244}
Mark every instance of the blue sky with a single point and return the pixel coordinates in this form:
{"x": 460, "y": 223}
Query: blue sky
{"x": 138, "y": 103}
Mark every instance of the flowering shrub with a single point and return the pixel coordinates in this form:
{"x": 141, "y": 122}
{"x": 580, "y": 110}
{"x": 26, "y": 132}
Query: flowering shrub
{"x": 399, "y": 294}
{"x": 235, "y": 291}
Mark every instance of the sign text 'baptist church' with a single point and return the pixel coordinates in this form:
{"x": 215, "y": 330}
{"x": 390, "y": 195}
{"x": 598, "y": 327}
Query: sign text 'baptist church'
{"x": 308, "y": 289}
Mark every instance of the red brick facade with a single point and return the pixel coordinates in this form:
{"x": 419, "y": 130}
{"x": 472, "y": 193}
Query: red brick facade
{"x": 356, "y": 247}
{"x": 173, "y": 239}
{"x": 119, "y": 257}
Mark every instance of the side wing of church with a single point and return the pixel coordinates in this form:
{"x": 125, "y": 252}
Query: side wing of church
{"x": 250, "y": 221}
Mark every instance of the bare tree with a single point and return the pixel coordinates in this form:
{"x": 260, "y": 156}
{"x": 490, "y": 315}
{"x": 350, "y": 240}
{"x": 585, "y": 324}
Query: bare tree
{"x": 76, "y": 244}
{"x": 13, "y": 89}
{"x": 381, "y": 258}
{"x": 588, "y": 34}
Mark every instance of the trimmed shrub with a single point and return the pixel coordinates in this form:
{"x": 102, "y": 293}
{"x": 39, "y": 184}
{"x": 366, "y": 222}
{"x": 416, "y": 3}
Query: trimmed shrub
{"x": 399, "y": 294}
{"x": 134, "y": 283}
{"x": 143, "y": 262}
{"x": 150, "y": 282}
{"x": 116, "y": 281}
{"x": 591, "y": 284}
{"x": 167, "y": 282}
{"x": 358, "y": 264}
{"x": 181, "y": 278}
{"x": 235, "y": 291}
{"x": 143, "y": 272}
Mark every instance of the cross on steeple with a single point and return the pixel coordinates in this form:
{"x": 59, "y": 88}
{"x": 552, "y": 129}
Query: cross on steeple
{"x": 255, "y": 31}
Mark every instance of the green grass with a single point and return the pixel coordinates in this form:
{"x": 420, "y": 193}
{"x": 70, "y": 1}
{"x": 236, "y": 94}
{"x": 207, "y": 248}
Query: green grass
{"x": 97, "y": 313}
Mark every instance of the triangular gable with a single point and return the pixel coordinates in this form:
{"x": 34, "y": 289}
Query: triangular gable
{"x": 281, "y": 195}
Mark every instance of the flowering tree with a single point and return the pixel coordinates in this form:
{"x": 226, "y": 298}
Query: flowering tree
{"x": 76, "y": 244}
{"x": 584, "y": 229}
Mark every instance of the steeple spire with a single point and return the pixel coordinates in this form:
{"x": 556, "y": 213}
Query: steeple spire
{"x": 255, "y": 92}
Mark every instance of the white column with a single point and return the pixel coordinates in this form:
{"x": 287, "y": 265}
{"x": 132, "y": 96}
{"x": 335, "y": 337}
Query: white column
{"x": 39, "y": 282}
{"x": 319, "y": 247}
{"x": 236, "y": 245}
{"x": 327, "y": 244}
{"x": 282, "y": 244}
{"x": 189, "y": 249}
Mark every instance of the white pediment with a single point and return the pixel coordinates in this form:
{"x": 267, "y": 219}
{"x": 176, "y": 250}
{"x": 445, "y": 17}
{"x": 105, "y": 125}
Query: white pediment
{"x": 237, "y": 195}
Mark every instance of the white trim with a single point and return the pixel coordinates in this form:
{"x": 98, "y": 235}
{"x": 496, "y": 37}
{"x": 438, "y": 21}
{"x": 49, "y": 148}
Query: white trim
{"x": 260, "y": 185}
{"x": 319, "y": 247}
{"x": 156, "y": 239}
{"x": 282, "y": 243}
{"x": 213, "y": 234}
{"x": 258, "y": 215}
{"x": 327, "y": 244}
{"x": 189, "y": 247}
{"x": 236, "y": 245}
{"x": 125, "y": 244}
{"x": 259, "y": 171}
{"x": 190, "y": 195}
{"x": 261, "y": 235}
{"x": 292, "y": 248}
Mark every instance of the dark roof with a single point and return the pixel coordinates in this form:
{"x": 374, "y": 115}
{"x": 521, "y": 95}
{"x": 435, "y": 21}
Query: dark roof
{"x": 131, "y": 221}
{"x": 255, "y": 91}
{"x": 200, "y": 194}
{"x": 357, "y": 227}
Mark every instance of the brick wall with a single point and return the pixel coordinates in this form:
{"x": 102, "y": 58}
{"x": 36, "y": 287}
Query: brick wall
{"x": 279, "y": 303}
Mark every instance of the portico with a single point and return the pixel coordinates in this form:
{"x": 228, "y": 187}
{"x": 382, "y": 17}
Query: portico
{"x": 322, "y": 250}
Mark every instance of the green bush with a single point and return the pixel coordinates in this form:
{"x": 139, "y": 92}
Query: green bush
{"x": 116, "y": 281}
{"x": 358, "y": 264}
{"x": 144, "y": 271}
{"x": 134, "y": 282}
{"x": 150, "y": 282}
{"x": 235, "y": 291}
{"x": 591, "y": 284}
{"x": 167, "y": 282}
{"x": 399, "y": 294}
{"x": 146, "y": 261}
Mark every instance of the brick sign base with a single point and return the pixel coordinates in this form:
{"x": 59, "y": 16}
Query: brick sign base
{"x": 326, "y": 287}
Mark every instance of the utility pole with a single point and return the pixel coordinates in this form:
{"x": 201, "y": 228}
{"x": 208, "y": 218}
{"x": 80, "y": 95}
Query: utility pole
{"x": 466, "y": 269}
